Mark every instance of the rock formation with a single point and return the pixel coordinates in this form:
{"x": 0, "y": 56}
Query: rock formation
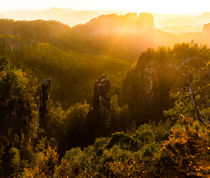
{"x": 206, "y": 29}
{"x": 146, "y": 22}
{"x": 102, "y": 105}
{"x": 43, "y": 108}
{"x": 146, "y": 89}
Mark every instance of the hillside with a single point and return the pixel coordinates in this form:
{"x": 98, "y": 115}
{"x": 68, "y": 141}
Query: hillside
{"x": 129, "y": 30}
{"x": 107, "y": 41}
{"x": 139, "y": 141}
{"x": 114, "y": 97}
{"x": 123, "y": 36}
{"x": 67, "y": 16}
{"x": 77, "y": 72}
{"x": 147, "y": 86}
{"x": 172, "y": 23}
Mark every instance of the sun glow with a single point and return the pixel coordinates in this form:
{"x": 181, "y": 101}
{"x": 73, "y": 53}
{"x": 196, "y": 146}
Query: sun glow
{"x": 161, "y": 6}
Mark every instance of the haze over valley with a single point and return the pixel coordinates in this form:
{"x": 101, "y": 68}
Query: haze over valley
{"x": 102, "y": 88}
{"x": 175, "y": 23}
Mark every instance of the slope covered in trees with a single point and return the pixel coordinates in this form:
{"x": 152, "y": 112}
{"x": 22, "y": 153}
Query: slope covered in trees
{"x": 123, "y": 36}
{"x": 154, "y": 121}
{"x": 146, "y": 89}
{"x": 64, "y": 15}
{"x": 76, "y": 71}
{"x": 138, "y": 142}
{"x": 76, "y": 57}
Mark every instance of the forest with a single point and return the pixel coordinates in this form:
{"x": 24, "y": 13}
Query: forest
{"x": 79, "y": 102}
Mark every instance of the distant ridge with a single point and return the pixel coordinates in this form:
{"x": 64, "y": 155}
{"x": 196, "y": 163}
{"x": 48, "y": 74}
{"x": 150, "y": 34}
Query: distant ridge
{"x": 123, "y": 36}
{"x": 67, "y": 16}
{"x": 173, "y": 23}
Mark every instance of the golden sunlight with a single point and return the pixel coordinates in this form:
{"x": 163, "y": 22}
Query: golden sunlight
{"x": 160, "y": 6}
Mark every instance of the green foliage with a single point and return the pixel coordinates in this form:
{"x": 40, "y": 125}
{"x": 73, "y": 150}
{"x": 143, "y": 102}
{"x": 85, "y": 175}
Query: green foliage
{"x": 15, "y": 158}
{"x": 39, "y": 30}
{"x": 122, "y": 155}
{"x": 167, "y": 70}
{"x": 18, "y": 99}
{"x": 199, "y": 81}
{"x": 177, "y": 147}
{"x": 186, "y": 153}
{"x": 125, "y": 141}
{"x": 56, "y": 127}
{"x": 19, "y": 118}
{"x": 75, "y": 70}
{"x": 65, "y": 125}
{"x": 45, "y": 165}
{"x": 77, "y": 115}
{"x": 120, "y": 115}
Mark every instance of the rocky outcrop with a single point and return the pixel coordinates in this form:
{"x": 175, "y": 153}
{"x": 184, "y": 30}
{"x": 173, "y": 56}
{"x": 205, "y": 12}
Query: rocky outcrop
{"x": 102, "y": 106}
{"x": 43, "y": 108}
{"x": 146, "y": 22}
{"x": 206, "y": 29}
{"x": 146, "y": 88}
{"x": 118, "y": 25}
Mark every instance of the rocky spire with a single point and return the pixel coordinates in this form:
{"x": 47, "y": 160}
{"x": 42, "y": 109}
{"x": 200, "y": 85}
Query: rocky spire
{"x": 102, "y": 104}
{"x": 44, "y": 97}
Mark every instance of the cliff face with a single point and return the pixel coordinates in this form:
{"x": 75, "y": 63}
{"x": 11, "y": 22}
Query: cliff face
{"x": 146, "y": 22}
{"x": 122, "y": 33}
{"x": 146, "y": 89}
{"x": 119, "y": 24}
{"x": 206, "y": 29}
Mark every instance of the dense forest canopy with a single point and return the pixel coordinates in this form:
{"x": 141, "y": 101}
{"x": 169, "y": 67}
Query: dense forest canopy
{"x": 147, "y": 86}
{"x": 79, "y": 102}
{"x": 76, "y": 71}
{"x": 106, "y": 44}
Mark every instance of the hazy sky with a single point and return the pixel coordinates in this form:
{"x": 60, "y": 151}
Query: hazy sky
{"x": 161, "y": 6}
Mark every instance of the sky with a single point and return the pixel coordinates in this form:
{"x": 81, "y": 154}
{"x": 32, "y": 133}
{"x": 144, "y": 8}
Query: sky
{"x": 160, "y": 6}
